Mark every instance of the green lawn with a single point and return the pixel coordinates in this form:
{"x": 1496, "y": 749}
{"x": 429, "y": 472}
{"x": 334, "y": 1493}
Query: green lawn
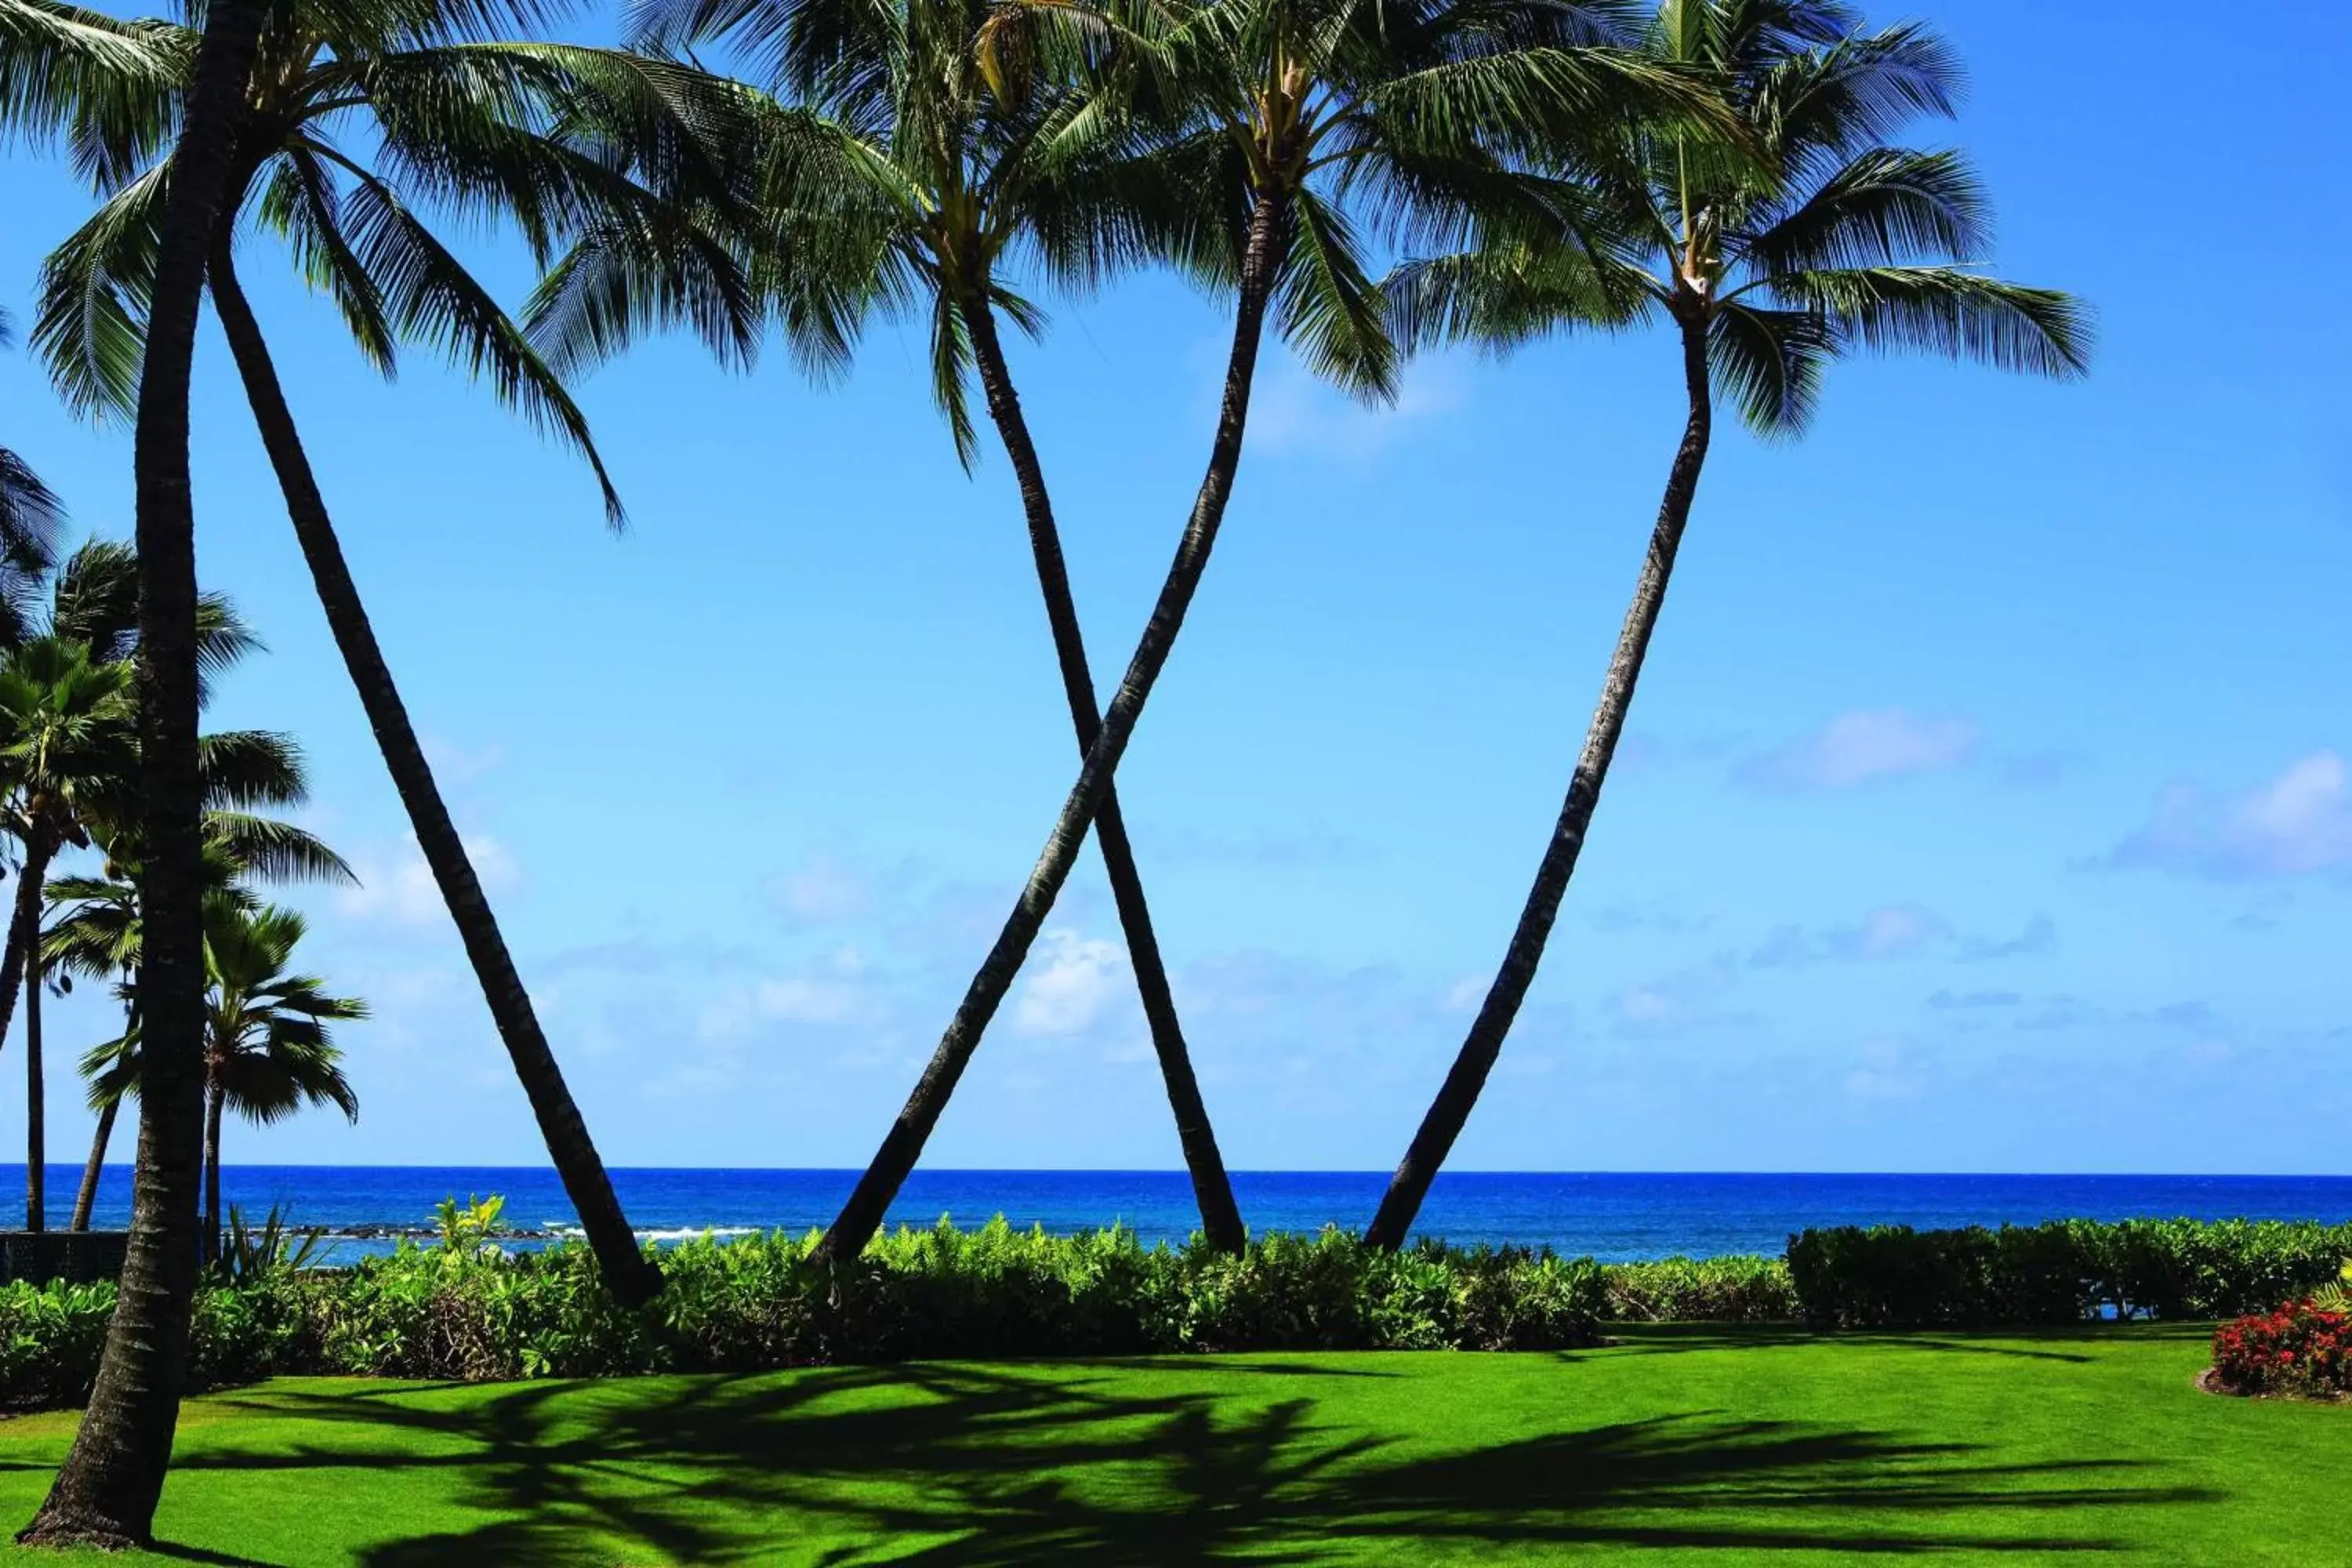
{"x": 1698, "y": 1446}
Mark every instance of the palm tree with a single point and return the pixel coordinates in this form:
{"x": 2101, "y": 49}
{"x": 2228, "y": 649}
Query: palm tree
{"x": 30, "y": 517}
{"x": 69, "y": 763}
{"x": 455, "y": 119}
{"x": 69, "y": 744}
{"x": 97, "y": 935}
{"x": 1264, "y": 121}
{"x": 1815, "y": 241}
{"x": 930, "y": 133}
{"x": 106, "y": 1492}
{"x": 267, "y": 1049}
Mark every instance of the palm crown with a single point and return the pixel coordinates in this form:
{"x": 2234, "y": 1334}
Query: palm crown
{"x": 455, "y": 118}
{"x": 1809, "y": 240}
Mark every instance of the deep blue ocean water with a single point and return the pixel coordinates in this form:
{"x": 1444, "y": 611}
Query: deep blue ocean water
{"x": 1608, "y": 1214}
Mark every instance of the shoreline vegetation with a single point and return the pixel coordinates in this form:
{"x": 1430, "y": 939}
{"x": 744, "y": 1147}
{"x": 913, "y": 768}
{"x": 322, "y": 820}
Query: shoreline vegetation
{"x": 464, "y": 1309}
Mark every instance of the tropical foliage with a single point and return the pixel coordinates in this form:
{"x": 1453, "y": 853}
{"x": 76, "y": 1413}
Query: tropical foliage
{"x": 1363, "y": 177}
{"x": 1801, "y": 237}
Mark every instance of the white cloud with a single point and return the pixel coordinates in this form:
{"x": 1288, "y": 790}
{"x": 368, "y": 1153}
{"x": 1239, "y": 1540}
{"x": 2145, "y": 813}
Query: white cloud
{"x": 1080, "y": 976}
{"x": 1893, "y": 929}
{"x": 823, "y": 889}
{"x": 1293, "y": 412}
{"x": 1863, "y": 746}
{"x": 397, "y": 886}
{"x": 833, "y": 990}
{"x": 2297, "y": 824}
{"x": 1896, "y": 932}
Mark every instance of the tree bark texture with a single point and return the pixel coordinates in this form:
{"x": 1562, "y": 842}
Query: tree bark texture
{"x": 86, "y": 1198}
{"x": 25, "y": 917}
{"x": 627, "y": 1272}
{"x": 861, "y": 1217}
{"x": 36, "y": 1124}
{"x": 106, "y": 1492}
{"x": 1450, "y": 1111}
{"x": 1212, "y": 1189}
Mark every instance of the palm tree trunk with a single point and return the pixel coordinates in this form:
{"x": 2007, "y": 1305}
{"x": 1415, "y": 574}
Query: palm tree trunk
{"x": 106, "y": 1492}
{"x": 1450, "y": 1110}
{"x": 1221, "y": 1217}
{"x": 37, "y": 1130}
{"x": 903, "y": 1145}
{"x": 627, "y": 1272}
{"x": 25, "y": 919}
{"x": 213, "y": 1097}
{"x": 86, "y": 1198}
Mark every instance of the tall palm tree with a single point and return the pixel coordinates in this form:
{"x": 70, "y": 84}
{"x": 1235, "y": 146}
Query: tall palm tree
{"x": 1817, "y": 240}
{"x": 69, "y": 742}
{"x": 1265, "y": 122}
{"x": 70, "y": 764}
{"x": 97, "y": 930}
{"x": 268, "y": 1048}
{"x": 106, "y": 1491}
{"x": 456, "y": 119}
{"x": 933, "y": 134}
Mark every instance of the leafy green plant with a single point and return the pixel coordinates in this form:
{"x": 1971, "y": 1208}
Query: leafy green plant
{"x": 276, "y": 1247}
{"x": 2335, "y": 1296}
{"x": 471, "y": 1229}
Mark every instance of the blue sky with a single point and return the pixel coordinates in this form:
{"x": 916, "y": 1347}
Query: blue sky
{"x": 1986, "y": 805}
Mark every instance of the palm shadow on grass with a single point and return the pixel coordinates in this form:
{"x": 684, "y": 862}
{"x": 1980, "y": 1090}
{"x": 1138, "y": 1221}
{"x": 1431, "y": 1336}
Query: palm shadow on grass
{"x": 989, "y": 1467}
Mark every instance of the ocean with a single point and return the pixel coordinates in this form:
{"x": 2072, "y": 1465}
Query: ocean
{"x": 1611, "y": 1215}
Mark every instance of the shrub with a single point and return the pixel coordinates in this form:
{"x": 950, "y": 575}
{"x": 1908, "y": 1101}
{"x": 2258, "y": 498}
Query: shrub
{"x": 2301, "y": 1349}
{"x": 462, "y": 1311}
{"x": 1734, "y": 1289}
{"x": 51, "y": 1340}
{"x": 2065, "y": 1271}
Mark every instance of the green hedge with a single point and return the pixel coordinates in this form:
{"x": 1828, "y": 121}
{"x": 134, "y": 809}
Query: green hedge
{"x": 1734, "y": 1289}
{"x": 2066, "y": 1271}
{"x": 759, "y": 1303}
{"x": 456, "y": 1311}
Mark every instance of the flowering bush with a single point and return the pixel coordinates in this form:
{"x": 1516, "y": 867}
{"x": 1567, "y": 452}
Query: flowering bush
{"x": 2301, "y": 1349}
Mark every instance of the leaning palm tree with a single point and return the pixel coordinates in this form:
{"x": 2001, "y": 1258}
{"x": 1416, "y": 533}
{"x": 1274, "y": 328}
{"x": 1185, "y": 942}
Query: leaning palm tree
{"x": 453, "y": 118}
{"x": 927, "y": 140}
{"x": 1816, "y": 240}
{"x": 106, "y": 1491}
{"x": 1264, "y": 122}
{"x": 268, "y": 1048}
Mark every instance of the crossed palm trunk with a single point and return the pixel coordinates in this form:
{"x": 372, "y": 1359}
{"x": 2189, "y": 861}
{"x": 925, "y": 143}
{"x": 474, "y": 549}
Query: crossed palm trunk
{"x": 1221, "y": 1217}
{"x": 861, "y": 1217}
{"x": 626, "y": 1270}
{"x": 106, "y": 1492}
{"x": 1450, "y": 1111}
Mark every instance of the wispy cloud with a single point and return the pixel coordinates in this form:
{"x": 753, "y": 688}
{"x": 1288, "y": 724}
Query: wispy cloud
{"x": 1893, "y": 932}
{"x": 1863, "y": 747}
{"x": 2298, "y": 824}
{"x": 395, "y": 886}
{"x": 1888, "y": 932}
{"x": 1294, "y": 413}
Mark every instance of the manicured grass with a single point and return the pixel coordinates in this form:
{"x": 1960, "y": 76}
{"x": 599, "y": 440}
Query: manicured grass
{"x": 1694, "y": 1446}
